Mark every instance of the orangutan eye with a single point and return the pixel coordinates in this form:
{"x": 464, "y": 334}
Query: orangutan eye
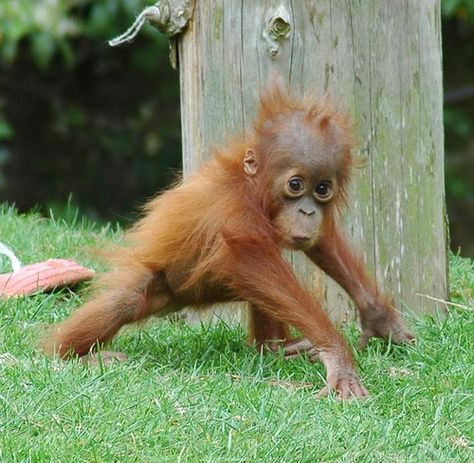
{"x": 296, "y": 185}
{"x": 324, "y": 191}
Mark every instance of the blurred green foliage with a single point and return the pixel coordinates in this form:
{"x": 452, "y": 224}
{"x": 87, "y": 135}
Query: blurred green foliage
{"x": 463, "y": 9}
{"x": 78, "y": 116}
{"x": 458, "y": 64}
{"x": 49, "y": 27}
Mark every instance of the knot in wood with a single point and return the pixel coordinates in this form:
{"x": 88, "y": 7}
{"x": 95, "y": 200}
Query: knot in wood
{"x": 277, "y": 29}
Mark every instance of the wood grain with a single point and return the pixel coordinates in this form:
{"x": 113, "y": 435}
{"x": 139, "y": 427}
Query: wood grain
{"x": 378, "y": 60}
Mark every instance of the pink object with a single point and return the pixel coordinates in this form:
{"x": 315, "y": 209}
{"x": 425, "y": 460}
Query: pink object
{"x": 43, "y": 276}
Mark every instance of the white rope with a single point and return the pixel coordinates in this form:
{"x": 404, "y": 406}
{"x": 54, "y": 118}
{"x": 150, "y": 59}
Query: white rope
{"x": 16, "y": 264}
{"x": 151, "y": 13}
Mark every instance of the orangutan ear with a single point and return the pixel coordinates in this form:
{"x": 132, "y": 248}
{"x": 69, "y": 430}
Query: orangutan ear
{"x": 250, "y": 162}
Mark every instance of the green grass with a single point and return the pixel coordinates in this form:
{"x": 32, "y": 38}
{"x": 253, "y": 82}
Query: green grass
{"x": 197, "y": 394}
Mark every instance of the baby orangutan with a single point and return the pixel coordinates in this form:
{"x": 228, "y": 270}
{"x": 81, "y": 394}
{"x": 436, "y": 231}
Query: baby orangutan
{"x": 219, "y": 236}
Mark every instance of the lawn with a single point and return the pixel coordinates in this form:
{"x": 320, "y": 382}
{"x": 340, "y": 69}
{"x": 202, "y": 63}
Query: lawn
{"x": 200, "y": 394}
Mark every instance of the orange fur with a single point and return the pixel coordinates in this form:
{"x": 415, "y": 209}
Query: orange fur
{"x": 217, "y": 236}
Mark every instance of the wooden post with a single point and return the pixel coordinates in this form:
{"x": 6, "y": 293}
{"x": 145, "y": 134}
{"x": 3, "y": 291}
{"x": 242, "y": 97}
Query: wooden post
{"x": 381, "y": 61}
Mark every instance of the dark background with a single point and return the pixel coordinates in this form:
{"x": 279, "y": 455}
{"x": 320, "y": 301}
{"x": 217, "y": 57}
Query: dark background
{"x": 90, "y": 130}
